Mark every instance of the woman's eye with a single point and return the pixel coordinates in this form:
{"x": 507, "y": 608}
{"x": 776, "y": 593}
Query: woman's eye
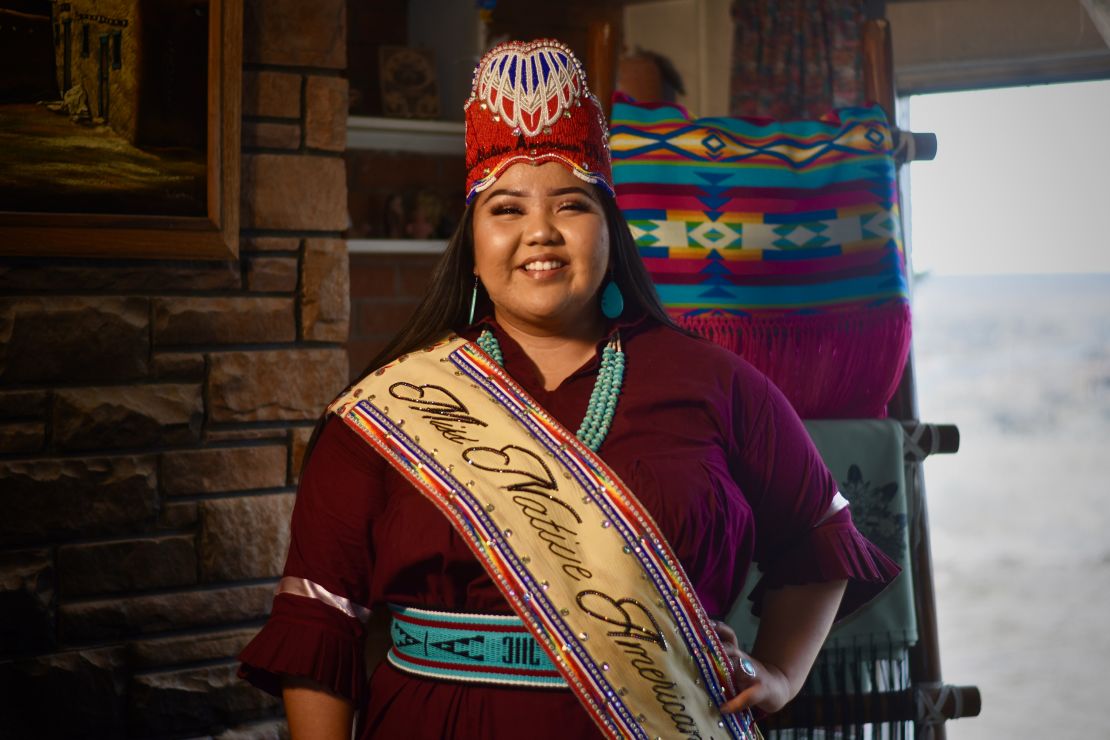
{"x": 574, "y": 205}
{"x": 502, "y": 209}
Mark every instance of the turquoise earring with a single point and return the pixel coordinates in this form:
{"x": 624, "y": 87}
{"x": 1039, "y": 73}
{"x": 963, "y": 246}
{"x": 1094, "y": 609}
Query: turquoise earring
{"x": 612, "y": 301}
{"x": 473, "y": 300}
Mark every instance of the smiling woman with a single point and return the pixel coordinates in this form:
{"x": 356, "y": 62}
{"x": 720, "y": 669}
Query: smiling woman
{"x": 541, "y": 251}
{"x": 540, "y": 581}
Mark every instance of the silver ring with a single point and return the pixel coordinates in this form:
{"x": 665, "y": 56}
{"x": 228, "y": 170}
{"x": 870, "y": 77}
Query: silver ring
{"x": 747, "y": 666}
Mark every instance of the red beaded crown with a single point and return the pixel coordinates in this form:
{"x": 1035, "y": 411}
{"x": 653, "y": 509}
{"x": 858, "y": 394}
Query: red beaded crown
{"x": 529, "y": 103}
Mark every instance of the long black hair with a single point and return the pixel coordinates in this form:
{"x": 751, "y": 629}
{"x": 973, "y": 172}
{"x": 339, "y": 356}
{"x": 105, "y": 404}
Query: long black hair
{"x": 446, "y": 306}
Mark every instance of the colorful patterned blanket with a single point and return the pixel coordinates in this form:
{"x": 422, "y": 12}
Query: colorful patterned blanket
{"x": 779, "y": 240}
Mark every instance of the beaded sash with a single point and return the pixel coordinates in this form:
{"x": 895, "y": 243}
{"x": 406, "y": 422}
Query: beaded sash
{"x": 574, "y": 553}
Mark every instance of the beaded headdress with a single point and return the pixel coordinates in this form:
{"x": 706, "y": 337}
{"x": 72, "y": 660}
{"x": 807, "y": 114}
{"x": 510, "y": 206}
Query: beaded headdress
{"x": 529, "y": 103}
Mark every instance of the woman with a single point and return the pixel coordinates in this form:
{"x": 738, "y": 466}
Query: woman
{"x": 696, "y": 438}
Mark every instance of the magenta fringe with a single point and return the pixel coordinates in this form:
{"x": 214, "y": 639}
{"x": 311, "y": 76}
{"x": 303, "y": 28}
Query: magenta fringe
{"x": 835, "y": 365}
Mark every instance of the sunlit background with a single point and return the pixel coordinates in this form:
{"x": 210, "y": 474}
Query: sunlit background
{"x": 1021, "y": 183}
{"x": 1012, "y": 343}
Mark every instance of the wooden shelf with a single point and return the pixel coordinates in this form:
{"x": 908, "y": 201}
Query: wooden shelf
{"x": 405, "y": 135}
{"x": 396, "y": 246}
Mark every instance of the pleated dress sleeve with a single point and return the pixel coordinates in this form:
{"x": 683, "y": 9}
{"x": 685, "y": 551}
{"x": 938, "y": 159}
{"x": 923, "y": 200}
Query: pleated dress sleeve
{"x": 317, "y": 625}
{"x": 801, "y": 536}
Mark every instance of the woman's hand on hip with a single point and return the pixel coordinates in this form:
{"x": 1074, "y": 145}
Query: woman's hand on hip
{"x": 758, "y": 685}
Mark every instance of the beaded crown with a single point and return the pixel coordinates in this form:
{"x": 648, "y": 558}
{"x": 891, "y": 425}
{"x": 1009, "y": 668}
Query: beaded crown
{"x": 529, "y": 102}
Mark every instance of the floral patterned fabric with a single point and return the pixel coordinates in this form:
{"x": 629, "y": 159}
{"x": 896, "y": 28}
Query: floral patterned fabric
{"x": 795, "y": 58}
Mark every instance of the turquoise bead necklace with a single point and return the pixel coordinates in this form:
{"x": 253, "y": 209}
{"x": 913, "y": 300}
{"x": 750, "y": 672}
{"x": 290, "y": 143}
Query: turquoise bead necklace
{"x": 603, "y": 400}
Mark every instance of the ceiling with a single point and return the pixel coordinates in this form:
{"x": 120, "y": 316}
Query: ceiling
{"x": 962, "y": 44}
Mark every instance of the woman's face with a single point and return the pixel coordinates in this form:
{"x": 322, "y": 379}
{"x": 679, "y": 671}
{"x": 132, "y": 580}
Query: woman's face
{"x": 541, "y": 248}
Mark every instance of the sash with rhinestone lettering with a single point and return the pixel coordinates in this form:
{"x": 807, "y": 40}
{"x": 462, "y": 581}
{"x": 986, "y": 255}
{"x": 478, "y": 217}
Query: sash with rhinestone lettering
{"x": 574, "y": 553}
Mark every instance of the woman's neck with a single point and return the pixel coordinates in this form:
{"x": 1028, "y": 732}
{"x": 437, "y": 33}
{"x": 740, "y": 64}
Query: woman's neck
{"x": 556, "y": 354}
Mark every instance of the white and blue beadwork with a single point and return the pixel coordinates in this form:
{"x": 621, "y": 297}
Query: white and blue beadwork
{"x": 530, "y": 89}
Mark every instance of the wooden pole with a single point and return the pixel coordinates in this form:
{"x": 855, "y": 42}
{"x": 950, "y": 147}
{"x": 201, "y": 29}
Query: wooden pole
{"x": 600, "y": 68}
{"x": 878, "y": 66}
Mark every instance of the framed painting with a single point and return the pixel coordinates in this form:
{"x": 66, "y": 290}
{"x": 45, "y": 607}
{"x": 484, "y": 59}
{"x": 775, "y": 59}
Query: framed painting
{"x": 408, "y": 80}
{"x": 119, "y": 128}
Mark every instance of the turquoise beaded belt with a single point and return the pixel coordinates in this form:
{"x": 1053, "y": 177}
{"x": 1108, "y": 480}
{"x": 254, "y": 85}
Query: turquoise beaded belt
{"x": 472, "y": 648}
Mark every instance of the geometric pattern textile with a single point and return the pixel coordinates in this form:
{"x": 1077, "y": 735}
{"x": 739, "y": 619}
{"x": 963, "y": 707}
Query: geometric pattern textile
{"x": 475, "y": 648}
{"x": 779, "y": 240}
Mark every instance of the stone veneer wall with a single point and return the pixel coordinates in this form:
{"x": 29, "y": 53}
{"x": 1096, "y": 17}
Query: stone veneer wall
{"x": 152, "y": 419}
{"x": 385, "y": 289}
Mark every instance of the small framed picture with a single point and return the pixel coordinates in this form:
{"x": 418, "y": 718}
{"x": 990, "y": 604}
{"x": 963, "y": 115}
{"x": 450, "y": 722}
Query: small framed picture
{"x": 408, "y": 77}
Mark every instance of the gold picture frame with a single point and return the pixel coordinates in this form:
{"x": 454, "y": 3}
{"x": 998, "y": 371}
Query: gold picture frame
{"x": 60, "y": 223}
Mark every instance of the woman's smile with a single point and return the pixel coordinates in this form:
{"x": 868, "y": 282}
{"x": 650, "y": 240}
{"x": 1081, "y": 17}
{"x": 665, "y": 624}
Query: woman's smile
{"x": 541, "y": 248}
{"x": 539, "y": 269}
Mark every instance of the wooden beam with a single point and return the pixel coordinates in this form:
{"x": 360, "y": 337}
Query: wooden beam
{"x": 1099, "y": 10}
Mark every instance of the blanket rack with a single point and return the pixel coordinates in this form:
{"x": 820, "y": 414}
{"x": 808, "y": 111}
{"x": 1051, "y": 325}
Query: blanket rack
{"x": 928, "y": 702}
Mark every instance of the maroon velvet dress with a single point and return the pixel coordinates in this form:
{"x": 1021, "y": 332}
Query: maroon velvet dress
{"x": 705, "y": 441}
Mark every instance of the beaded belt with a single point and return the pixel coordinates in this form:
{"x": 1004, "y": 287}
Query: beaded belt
{"x": 472, "y": 648}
